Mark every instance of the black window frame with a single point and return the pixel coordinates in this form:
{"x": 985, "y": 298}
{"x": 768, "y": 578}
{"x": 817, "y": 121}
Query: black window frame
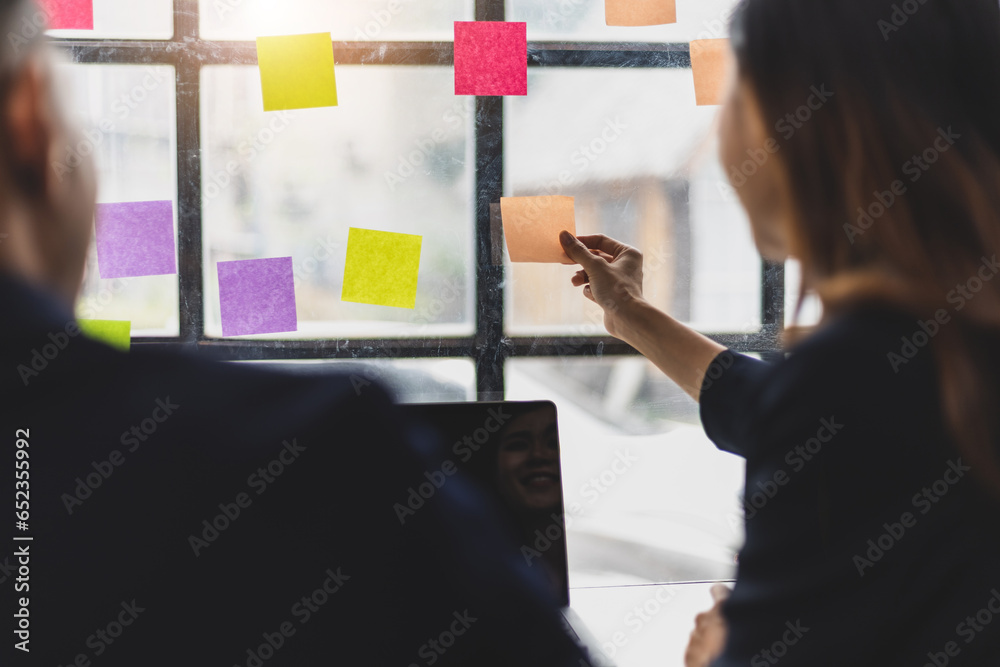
{"x": 489, "y": 347}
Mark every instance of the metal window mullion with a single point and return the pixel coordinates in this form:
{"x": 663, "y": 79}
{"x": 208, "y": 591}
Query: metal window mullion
{"x": 491, "y": 347}
{"x": 772, "y": 301}
{"x": 490, "y": 352}
{"x": 191, "y": 302}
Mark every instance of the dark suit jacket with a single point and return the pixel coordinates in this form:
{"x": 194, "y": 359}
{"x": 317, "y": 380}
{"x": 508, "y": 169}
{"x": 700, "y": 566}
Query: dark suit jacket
{"x": 185, "y": 512}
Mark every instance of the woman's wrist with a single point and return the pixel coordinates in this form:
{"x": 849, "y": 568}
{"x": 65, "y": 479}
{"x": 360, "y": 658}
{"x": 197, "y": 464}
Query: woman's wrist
{"x": 632, "y": 318}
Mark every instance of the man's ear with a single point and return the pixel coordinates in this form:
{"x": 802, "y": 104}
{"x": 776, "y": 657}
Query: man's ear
{"x": 29, "y": 129}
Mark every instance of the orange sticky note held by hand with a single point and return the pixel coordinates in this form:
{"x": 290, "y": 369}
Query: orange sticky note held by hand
{"x": 531, "y": 227}
{"x": 640, "y": 12}
{"x": 710, "y": 62}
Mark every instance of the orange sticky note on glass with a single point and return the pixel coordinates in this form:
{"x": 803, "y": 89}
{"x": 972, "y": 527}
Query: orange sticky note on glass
{"x": 710, "y": 62}
{"x": 531, "y": 227}
{"x": 296, "y": 71}
{"x": 640, "y": 12}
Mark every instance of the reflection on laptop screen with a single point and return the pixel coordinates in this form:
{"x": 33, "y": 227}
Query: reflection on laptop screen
{"x": 512, "y": 451}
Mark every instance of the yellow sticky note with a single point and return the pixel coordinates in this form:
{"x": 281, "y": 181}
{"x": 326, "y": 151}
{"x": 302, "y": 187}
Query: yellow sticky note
{"x": 296, "y": 71}
{"x": 381, "y": 268}
{"x": 531, "y": 227}
{"x": 711, "y": 60}
{"x": 640, "y": 12}
{"x": 116, "y": 333}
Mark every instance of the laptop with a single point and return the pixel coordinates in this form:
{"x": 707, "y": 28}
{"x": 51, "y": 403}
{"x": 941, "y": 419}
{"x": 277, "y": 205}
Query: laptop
{"x": 511, "y": 449}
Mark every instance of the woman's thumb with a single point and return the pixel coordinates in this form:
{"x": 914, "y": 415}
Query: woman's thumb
{"x": 575, "y": 250}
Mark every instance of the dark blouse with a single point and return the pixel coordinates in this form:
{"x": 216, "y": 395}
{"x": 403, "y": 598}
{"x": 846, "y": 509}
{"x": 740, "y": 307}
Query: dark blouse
{"x": 868, "y": 540}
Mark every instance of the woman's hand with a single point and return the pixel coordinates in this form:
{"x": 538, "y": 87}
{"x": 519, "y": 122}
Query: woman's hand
{"x": 611, "y": 276}
{"x": 709, "y": 636}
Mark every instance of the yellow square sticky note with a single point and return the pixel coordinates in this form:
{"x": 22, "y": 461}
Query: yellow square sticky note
{"x": 711, "y": 60}
{"x": 116, "y": 333}
{"x": 531, "y": 227}
{"x": 381, "y": 268}
{"x": 296, "y": 71}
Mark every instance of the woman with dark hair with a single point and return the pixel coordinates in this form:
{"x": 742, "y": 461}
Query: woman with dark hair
{"x": 528, "y": 480}
{"x": 873, "y": 448}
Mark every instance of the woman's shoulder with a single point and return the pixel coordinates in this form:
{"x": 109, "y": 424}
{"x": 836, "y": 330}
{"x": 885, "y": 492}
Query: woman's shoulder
{"x": 871, "y": 361}
{"x": 868, "y": 342}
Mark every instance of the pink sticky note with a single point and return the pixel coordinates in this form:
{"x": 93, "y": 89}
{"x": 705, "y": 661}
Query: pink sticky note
{"x": 69, "y": 14}
{"x": 257, "y": 296}
{"x": 136, "y": 239}
{"x": 491, "y": 58}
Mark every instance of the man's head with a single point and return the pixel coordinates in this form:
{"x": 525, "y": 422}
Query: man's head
{"x": 45, "y": 214}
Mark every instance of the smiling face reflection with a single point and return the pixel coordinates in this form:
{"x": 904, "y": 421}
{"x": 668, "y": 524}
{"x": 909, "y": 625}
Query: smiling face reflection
{"x": 528, "y": 462}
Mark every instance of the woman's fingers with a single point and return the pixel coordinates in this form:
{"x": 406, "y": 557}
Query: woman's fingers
{"x": 605, "y": 244}
{"x": 720, "y": 592}
{"x": 580, "y": 278}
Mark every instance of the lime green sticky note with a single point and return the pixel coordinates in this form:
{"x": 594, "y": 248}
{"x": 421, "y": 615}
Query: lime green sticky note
{"x": 381, "y": 268}
{"x": 116, "y": 333}
{"x": 296, "y": 71}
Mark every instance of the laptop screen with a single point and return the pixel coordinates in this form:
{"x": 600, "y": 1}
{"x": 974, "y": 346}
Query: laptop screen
{"x": 511, "y": 449}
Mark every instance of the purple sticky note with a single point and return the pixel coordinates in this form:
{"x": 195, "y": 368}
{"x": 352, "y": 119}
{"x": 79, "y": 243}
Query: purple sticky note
{"x": 136, "y": 239}
{"x": 491, "y": 58}
{"x": 257, "y": 296}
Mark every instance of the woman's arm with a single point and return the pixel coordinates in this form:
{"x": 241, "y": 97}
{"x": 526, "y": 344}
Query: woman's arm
{"x": 612, "y": 278}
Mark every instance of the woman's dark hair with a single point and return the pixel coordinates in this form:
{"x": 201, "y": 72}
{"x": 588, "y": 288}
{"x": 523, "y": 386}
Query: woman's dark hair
{"x": 895, "y": 177}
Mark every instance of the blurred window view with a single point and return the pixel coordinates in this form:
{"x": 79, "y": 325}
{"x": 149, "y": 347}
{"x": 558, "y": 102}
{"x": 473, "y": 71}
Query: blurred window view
{"x": 128, "y": 115}
{"x": 654, "y": 510}
{"x": 395, "y": 155}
